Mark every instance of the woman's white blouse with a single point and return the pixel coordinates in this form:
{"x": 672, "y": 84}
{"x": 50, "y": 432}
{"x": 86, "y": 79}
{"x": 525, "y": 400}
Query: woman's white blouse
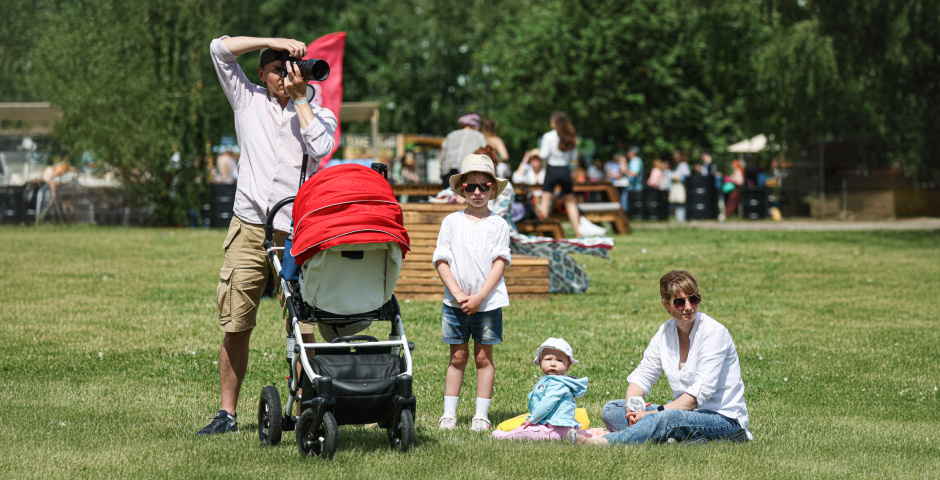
{"x": 712, "y": 372}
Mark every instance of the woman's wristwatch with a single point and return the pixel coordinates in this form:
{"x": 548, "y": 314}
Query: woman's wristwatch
{"x": 660, "y": 408}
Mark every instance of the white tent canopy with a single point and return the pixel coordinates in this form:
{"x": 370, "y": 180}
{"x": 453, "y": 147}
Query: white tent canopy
{"x": 751, "y": 145}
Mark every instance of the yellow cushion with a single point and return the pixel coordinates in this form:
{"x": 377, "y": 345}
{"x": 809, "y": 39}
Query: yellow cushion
{"x": 580, "y": 415}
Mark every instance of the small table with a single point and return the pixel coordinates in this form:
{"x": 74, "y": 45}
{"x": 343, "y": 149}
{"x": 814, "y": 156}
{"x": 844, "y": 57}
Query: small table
{"x": 417, "y": 189}
{"x": 605, "y": 188}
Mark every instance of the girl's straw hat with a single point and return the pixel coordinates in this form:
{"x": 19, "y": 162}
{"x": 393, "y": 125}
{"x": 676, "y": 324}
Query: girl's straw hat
{"x": 476, "y": 163}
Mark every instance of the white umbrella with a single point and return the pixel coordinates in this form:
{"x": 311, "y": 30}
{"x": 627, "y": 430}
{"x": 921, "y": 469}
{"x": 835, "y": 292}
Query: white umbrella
{"x": 751, "y": 145}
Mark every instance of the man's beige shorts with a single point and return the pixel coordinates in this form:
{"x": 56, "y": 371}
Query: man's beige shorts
{"x": 243, "y": 276}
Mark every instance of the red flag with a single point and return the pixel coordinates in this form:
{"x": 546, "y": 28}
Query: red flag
{"x": 329, "y": 93}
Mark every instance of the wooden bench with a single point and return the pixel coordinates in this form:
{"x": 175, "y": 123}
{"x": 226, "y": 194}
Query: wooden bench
{"x": 526, "y": 277}
{"x": 550, "y": 227}
{"x": 606, "y": 212}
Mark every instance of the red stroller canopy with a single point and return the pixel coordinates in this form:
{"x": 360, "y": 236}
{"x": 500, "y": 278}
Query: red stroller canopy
{"x": 346, "y": 204}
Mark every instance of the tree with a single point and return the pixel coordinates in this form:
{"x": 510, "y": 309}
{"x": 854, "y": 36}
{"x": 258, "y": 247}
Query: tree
{"x": 623, "y": 71}
{"x": 22, "y": 21}
{"x": 130, "y": 81}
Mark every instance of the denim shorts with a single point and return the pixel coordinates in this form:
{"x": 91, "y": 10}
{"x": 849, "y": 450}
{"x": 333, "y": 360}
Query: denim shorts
{"x": 486, "y": 327}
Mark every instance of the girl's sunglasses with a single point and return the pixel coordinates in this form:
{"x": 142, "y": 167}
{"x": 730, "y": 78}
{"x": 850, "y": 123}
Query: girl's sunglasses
{"x": 693, "y": 299}
{"x": 471, "y": 187}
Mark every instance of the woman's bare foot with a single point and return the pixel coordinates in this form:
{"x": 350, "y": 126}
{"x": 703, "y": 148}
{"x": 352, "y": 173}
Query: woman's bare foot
{"x": 591, "y": 440}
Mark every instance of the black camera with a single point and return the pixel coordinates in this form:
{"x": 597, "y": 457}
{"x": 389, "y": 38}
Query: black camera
{"x": 313, "y": 70}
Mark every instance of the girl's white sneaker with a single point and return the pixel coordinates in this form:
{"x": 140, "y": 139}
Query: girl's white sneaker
{"x": 480, "y": 424}
{"x": 447, "y": 422}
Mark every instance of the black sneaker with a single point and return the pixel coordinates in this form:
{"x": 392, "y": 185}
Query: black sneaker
{"x": 222, "y": 423}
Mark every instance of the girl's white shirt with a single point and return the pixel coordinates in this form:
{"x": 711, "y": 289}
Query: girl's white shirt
{"x": 712, "y": 371}
{"x": 470, "y": 248}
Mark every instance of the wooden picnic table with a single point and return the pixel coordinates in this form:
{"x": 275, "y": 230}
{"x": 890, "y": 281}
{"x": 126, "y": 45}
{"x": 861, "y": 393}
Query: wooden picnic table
{"x": 605, "y": 212}
{"x": 605, "y": 188}
{"x": 608, "y": 211}
{"x": 417, "y": 189}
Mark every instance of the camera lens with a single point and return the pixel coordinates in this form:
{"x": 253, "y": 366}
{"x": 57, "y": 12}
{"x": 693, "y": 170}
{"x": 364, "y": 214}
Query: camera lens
{"x": 314, "y": 69}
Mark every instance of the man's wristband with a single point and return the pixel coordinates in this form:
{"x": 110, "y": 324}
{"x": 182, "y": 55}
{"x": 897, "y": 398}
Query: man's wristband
{"x": 661, "y": 408}
{"x": 300, "y": 102}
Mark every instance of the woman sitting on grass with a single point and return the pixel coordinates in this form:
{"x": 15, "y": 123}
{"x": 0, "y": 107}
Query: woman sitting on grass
{"x": 701, "y": 363}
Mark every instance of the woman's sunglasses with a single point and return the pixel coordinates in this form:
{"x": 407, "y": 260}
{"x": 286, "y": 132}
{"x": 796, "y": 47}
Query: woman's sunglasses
{"x": 472, "y": 187}
{"x": 693, "y": 299}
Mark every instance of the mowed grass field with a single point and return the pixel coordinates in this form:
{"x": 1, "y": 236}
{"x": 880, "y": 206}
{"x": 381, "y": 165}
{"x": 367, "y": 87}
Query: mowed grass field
{"x": 110, "y": 343}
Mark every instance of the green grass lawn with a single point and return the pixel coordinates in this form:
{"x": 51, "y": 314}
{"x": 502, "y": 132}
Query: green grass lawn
{"x": 110, "y": 343}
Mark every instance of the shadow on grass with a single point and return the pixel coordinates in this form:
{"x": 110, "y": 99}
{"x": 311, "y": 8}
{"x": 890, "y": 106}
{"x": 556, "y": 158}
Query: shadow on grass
{"x": 360, "y": 437}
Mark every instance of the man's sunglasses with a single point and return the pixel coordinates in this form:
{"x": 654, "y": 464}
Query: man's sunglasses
{"x": 693, "y": 299}
{"x": 471, "y": 187}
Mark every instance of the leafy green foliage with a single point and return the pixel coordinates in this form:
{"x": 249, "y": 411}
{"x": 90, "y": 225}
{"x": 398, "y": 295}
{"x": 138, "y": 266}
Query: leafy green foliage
{"x": 130, "y": 79}
{"x": 133, "y": 80}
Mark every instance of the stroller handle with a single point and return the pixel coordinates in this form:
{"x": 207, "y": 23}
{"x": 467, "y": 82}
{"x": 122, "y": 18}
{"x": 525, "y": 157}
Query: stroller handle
{"x": 269, "y": 222}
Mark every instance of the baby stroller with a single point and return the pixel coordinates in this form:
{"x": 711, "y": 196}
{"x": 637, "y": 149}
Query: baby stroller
{"x": 340, "y": 268}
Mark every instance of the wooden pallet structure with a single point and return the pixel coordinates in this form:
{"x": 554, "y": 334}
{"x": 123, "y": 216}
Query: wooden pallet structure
{"x": 526, "y": 278}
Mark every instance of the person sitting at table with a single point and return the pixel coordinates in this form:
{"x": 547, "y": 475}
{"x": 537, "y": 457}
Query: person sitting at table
{"x": 460, "y": 143}
{"x": 658, "y": 178}
{"x": 492, "y": 140}
{"x": 409, "y": 176}
{"x": 530, "y": 171}
{"x": 595, "y": 172}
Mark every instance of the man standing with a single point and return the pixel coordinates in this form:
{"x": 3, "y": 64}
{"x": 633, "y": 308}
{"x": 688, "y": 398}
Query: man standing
{"x": 634, "y": 170}
{"x": 708, "y": 167}
{"x": 460, "y": 143}
{"x": 276, "y": 126}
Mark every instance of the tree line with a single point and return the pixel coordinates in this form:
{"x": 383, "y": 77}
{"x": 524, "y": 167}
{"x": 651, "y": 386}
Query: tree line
{"x": 135, "y": 79}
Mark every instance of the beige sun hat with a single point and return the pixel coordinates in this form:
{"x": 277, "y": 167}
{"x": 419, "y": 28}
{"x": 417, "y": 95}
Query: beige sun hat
{"x": 477, "y": 163}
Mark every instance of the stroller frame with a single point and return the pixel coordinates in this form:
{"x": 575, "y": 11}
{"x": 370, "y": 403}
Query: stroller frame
{"x": 315, "y": 427}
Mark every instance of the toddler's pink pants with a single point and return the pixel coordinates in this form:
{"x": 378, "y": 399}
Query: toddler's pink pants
{"x": 534, "y": 432}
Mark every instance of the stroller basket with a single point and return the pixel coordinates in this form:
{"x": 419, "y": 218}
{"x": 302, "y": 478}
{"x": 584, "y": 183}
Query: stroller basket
{"x": 364, "y": 382}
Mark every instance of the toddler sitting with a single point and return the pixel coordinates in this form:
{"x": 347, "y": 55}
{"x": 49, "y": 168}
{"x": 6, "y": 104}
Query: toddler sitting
{"x": 551, "y": 402}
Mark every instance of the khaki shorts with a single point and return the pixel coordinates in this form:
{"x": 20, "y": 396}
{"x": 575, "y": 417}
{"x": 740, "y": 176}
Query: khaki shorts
{"x": 244, "y": 274}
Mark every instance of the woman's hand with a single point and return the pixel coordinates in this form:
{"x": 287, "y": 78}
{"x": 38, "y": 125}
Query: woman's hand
{"x": 526, "y": 157}
{"x": 634, "y": 417}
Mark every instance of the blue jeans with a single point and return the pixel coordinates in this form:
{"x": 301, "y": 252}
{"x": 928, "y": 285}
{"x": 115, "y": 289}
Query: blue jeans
{"x": 624, "y": 194}
{"x": 659, "y": 427}
{"x": 679, "y": 210}
{"x": 486, "y": 328}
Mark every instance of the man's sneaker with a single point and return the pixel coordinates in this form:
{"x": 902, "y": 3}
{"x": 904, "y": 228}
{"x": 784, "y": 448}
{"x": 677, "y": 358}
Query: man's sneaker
{"x": 222, "y": 423}
{"x": 447, "y": 422}
{"x": 479, "y": 424}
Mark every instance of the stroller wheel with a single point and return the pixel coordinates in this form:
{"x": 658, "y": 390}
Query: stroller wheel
{"x": 320, "y": 441}
{"x": 402, "y": 436}
{"x": 269, "y": 416}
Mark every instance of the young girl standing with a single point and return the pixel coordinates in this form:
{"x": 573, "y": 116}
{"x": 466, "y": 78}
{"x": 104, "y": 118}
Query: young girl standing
{"x": 472, "y": 253}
